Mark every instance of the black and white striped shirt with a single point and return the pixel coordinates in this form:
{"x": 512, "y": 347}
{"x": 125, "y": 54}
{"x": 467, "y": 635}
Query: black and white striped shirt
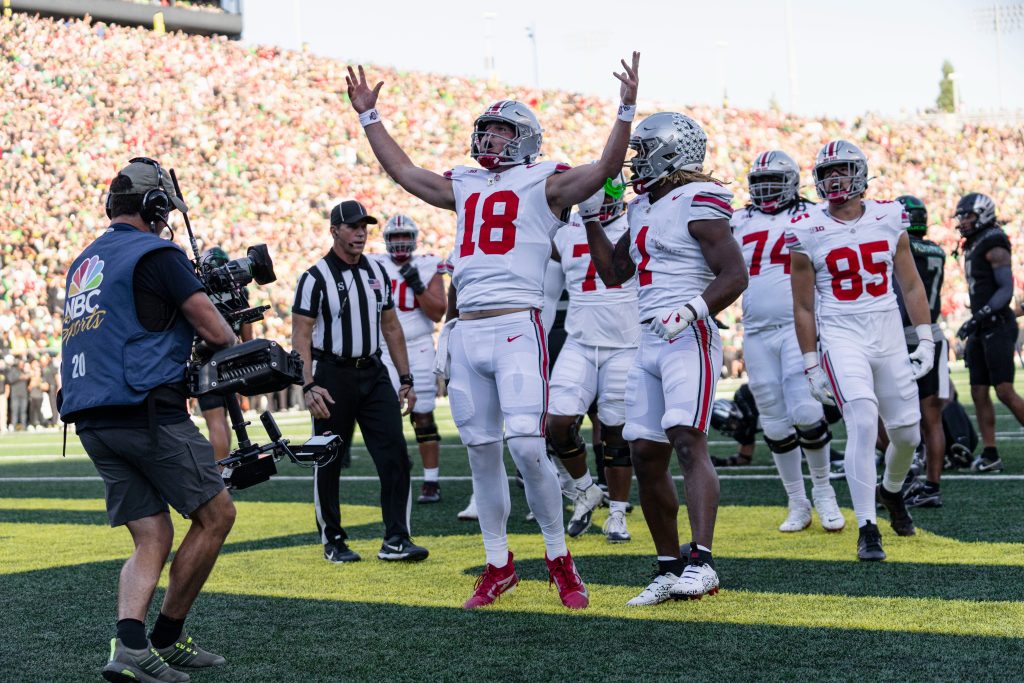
{"x": 346, "y": 302}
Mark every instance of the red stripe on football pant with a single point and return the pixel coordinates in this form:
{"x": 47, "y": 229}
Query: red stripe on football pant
{"x": 542, "y": 341}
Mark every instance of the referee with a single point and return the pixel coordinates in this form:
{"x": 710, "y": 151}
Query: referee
{"x": 343, "y": 305}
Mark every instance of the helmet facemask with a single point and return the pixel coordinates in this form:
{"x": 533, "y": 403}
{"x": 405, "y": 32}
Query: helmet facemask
{"x": 851, "y": 181}
{"x": 772, "y": 191}
{"x": 524, "y": 148}
{"x": 400, "y": 245}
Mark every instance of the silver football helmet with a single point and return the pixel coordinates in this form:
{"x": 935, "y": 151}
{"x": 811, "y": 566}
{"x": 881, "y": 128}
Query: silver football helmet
{"x": 664, "y": 143}
{"x": 981, "y": 206}
{"x": 521, "y": 149}
{"x": 774, "y": 181}
{"x": 400, "y": 234}
{"x": 852, "y": 163}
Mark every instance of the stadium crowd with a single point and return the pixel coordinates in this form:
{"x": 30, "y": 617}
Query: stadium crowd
{"x": 264, "y": 143}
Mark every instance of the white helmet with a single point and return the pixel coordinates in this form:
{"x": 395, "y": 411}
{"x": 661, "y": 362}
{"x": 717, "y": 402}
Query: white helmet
{"x": 664, "y": 143}
{"x": 522, "y": 149}
{"x": 843, "y": 154}
{"x": 400, "y": 237}
{"x": 774, "y": 181}
{"x": 614, "y": 188}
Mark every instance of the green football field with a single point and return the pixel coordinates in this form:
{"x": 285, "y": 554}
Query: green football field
{"x": 947, "y": 605}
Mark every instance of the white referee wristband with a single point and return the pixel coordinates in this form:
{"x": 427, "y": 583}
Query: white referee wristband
{"x": 627, "y": 112}
{"x": 699, "y": 307}
{"x": 924, "y": 333}
{"x": 369, "y": 117}
{"x": 810, "y": 360}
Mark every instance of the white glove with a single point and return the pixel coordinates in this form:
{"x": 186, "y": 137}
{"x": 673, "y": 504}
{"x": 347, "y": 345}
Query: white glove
{"x": 668, "y": 324}
{"x": 590, "y": 208}
{"x": 922, "y": 359}
{"x": 820, "y": 388}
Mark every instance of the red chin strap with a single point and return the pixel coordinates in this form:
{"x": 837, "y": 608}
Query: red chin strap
{"x": 488, "y": 161}
{"x": 640, "y": 187}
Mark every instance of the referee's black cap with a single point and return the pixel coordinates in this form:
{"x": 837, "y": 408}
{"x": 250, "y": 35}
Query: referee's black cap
{"x": 350, "y": 212}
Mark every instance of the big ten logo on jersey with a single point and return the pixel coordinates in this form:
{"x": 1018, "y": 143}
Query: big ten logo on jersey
{"x": 861, "y": 271}
{"x": 404, "y": 295}
{"x": 779, "y": 253}
{"x": 589, "y": 284}
{"x": 493, "y": 231}
{"x": 81, "y": 310}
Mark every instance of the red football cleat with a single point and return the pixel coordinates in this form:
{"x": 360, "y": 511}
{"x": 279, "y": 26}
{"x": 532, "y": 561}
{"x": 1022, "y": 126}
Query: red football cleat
{"x": 492, "y": 583}
{"x": 562, "y": 572}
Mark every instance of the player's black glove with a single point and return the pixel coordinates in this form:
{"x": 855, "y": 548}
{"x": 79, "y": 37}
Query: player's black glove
{"x": 411, "y": 275}
{"x": 971, "y": 326}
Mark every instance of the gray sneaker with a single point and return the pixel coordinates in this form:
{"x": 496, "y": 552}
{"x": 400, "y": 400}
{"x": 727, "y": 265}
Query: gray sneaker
{"x": 186, "y": 653}
{"x": 583, "y": 509}
{"x": 146, "y": 665}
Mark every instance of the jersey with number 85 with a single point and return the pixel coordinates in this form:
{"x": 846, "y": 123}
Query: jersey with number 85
{"x": 852, "y": 261}
{"x": 503, "y": 235}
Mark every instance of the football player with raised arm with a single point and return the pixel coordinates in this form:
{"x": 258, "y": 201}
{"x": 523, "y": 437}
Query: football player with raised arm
{"x": 844, "y": 254}
{"x": 792, "y": 420}
{"x": 688, "y": 268}
{"x": 507, "y": 209}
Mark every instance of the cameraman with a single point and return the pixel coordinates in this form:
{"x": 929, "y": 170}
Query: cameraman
{"x": 214, "y": 406}
{"x": 133, "y": 306}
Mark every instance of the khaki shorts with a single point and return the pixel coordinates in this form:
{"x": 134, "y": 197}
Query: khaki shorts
{"x": 143, "y": 478}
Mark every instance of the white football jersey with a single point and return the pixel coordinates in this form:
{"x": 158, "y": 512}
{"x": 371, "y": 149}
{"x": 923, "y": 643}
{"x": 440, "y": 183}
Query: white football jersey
{"x": 598, "y": 315}
{"x": 414, "y": 321}
{"x": 768, "y": 299}
{"x": 852, "y": 261}
{"x": 503, "y": 236}
{"x": 670, "y": 267}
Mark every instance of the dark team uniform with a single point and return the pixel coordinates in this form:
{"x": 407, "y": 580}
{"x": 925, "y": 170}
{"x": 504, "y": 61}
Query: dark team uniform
{"x": 989, "y": 351}
{"x": 930, "y": 260}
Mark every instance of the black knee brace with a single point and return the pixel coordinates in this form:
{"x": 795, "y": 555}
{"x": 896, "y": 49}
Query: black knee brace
{"x": 616, "y": 456}
{"x": 427, "y": 433}
{"x": 573, "y": 448}
{"x": 784, "y": 445}
{"x": 815, "y": 436}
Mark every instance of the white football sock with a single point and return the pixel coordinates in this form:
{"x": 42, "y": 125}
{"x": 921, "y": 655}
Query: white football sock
{"x": 490, "y": 489}
{"x": 431, "y": 473}
{"x": 899, "y": 456}
{"x": 861, "y": 417}
{"x": 542, "y": 490}
{"x": 792, "y": 474}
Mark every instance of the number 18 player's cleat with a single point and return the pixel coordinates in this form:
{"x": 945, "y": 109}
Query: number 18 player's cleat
{"x": 656, "y": 591}
{"x": 799, "y": 517}
{"x": 587, "y": 501}
{"x": 698, "y": 579}
{"x": 492, "y": 584}
{"x": 562, "y": 572}
{"x": 900, "y": 519}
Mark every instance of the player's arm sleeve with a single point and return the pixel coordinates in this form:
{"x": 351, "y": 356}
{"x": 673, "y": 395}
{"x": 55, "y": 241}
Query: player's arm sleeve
{"x": 1003, "y": 276}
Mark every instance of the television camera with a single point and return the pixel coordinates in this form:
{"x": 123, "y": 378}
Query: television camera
{"x": 258, "y": 366}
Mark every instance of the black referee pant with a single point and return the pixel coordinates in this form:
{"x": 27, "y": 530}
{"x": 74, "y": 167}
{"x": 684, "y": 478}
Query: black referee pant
{"x": 364, "y": 396}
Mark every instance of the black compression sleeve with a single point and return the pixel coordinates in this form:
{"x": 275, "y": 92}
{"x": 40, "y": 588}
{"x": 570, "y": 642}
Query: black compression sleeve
{"x": 1003, "y": 276}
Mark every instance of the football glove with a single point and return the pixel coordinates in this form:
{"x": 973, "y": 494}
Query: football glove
{"x": 411, "y": 275}
{"x": 669, "y": 323}
{"x": 819, "y": 385}
{"x": 922, "y": 359}
{"x": 971, "y": 326}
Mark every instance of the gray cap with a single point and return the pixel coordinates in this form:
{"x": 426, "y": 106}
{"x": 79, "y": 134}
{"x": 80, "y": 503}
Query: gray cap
{"x": 148, "y": 175}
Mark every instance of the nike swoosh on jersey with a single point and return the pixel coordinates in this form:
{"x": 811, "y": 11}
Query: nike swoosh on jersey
{"x": 512, "y": 339}
{"x": 878, "y": 218}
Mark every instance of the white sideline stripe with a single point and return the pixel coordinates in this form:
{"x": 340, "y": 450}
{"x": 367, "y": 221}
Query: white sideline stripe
{"x": 678, "y": 477}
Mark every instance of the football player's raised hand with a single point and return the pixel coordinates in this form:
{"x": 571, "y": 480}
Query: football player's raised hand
{"x": 630, "y": 79}
{"x": 359, "y": 93}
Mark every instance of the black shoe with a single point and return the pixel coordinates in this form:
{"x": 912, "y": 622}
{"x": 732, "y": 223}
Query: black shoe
{"x": 430, "y": 493}
{"x": 901, "y": 521}
{"x": 869, "y": 544}
{"x": 988, "y": 461}
{"x": 398, "y": 549}
{"x": 958, "y": 457}
{"x": 921, "y": 494}
{"x": 339, "y": 552}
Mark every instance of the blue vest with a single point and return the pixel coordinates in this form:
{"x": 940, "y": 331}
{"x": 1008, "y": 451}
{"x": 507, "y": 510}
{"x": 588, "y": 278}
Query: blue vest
{"x": 108, "y": 357}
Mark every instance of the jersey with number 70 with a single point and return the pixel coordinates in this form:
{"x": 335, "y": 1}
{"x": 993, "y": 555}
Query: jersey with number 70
{"x": 853, "y": 261}
{"x": 503, "y": 235}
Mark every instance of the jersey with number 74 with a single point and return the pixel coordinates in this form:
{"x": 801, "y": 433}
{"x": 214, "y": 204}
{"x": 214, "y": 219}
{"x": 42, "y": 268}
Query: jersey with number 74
{"x": 503, "y": 235}
{"x": 853, "y": 261}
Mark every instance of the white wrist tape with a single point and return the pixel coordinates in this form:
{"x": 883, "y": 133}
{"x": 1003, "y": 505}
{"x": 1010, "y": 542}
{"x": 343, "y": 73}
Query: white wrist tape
{"x": 810, "y": 360}
{"x": 699, "y": 306}
{"x": 369, "y": 117}
{"x": 627, "y": 112}
{"x": 924, "y": 333}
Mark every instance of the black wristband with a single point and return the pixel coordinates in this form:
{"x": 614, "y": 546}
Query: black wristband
{"x": 307, "y": 387}
{"x": 405, "y": 380}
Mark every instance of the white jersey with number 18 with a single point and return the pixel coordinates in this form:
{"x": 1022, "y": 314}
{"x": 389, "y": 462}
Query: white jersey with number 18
{"x": 503, "y": 235}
